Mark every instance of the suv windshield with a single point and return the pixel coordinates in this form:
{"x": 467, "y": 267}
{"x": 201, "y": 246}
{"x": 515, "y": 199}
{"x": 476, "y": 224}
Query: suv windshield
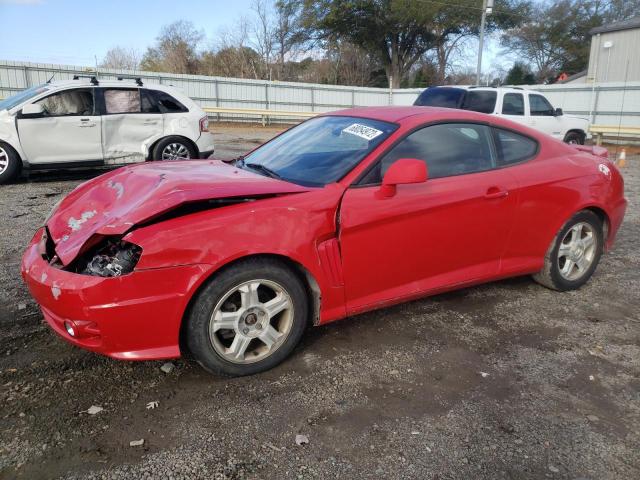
{"x": 23, "y": 96}
{"x": 483, "y": 101}
{"x": 319, "y": 151}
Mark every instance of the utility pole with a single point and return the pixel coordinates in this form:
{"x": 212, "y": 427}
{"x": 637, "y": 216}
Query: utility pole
{"x": 487, "y": 8}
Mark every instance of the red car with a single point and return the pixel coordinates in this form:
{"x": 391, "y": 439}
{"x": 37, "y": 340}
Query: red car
{"x": 344, "y": 213}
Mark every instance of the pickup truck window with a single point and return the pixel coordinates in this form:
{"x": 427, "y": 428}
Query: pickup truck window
{"x": 482, "y": 101}
{"x": 513, "y": 104}
{"x": 540, "y": 106}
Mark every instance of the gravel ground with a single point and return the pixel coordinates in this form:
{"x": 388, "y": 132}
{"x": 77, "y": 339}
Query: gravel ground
{"x": 505, "y": 380}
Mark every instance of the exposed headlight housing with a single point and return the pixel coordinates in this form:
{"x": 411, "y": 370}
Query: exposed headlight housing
{"x": 112, "y": 257}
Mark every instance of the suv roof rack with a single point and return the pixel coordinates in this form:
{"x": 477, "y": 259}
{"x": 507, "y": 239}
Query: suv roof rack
{"x": 92, "y": 78}
{"x": 138, "y": 80}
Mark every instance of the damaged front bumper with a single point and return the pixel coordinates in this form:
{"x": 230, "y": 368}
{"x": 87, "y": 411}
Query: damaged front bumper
{"x": 136, "y": 316}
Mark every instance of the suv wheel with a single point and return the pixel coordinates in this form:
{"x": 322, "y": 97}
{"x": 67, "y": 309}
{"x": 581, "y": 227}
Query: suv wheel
{"x": 174, "y": 148}
{"x": 9, "y": 163}
{"x": 575, "y": 138}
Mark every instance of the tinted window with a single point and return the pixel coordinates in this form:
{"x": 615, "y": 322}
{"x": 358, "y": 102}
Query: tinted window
{"x": 540, "y": 106}
{"x": 513, "y": 147}
{"x": 447, "y": 149}
{"x": 440, "y": 97}
{"x": 319, "y": 151}
{"x": 482, "y": 101}
{"x": 68, "y": 102}
{"x": 149, "y": 104}
{"x": 513, "y": 104}
{"x": 168, "y": 103}
{"x": 122, "y": 100}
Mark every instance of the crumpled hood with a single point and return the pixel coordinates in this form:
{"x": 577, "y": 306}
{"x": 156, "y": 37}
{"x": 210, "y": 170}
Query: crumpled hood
{"x": 114, "y": 202}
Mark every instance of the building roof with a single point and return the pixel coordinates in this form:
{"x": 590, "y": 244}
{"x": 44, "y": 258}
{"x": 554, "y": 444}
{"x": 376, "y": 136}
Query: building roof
{"x": 573, "y": 77}
{"x": 628, "y": 24}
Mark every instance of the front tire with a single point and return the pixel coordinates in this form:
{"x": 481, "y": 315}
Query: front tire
{"x": 9, "y": 163}
{"x": 174, "y": 148}
{"x": 574, "y": 253}
{"x": 248, "y": 318}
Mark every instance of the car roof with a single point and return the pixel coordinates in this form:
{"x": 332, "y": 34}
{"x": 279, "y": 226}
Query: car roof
{"x": 396, "y": 114}
{"x": 125, "y": 83}
{"x": 504, "y": 89}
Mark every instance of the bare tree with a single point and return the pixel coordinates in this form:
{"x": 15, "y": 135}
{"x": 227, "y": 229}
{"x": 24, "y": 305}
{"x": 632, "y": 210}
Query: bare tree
{"x": 120, "y": 58}
{"x": 262, "y": 35}
{"x": 288, "y": 33}
{"x": 176, "y": 49}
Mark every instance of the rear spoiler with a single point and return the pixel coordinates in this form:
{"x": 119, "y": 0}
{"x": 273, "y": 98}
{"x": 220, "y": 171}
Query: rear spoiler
{"x": 593, "y": 150}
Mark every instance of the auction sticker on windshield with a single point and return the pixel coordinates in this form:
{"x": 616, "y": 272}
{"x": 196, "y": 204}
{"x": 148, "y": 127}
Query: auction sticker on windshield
{"x": 362, "y": 131}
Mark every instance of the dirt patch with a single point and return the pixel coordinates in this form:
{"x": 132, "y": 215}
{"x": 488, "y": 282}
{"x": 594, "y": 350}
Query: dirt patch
{"x": 505, "y": 380}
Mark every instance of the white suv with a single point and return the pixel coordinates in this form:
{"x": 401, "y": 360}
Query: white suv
{"x": 523, "y": 106}
{"x": 84, "y": 122}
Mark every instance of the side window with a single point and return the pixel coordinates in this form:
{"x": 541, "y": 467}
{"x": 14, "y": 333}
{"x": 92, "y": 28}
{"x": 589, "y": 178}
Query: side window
{"x": 482, "y": 101}
{"x": 68, "y": 102}
{"x": 540, "y": 106}
{"x": 513, "y": 104}
{"x": 168, "y": 103}
{"x": 513, "y": 147}
{"x": 447, "y": 149}
{"x": 122, "y": 100}
{"x": 149, "y": 103}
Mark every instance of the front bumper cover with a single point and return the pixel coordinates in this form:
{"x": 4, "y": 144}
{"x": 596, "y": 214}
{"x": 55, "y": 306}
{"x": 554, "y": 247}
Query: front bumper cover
{"x": 135, "y": 316}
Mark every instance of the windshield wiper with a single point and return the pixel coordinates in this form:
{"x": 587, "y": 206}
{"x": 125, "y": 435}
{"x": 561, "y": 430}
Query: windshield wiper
{"x": 261, "y": 168}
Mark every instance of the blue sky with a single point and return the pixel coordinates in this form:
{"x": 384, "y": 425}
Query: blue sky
{"x": 74, "y": 31}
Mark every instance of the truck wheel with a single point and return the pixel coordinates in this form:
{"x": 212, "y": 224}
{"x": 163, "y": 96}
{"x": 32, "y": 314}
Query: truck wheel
{"x": 9, "y": 163}
{"x": 574, "y": 138}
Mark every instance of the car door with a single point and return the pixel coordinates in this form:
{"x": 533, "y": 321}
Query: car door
{"x": 68, "y": 129}
{"x": 449, "y": 230}
{"x": 131, "y": 122}
{"x": 542, "y": 116}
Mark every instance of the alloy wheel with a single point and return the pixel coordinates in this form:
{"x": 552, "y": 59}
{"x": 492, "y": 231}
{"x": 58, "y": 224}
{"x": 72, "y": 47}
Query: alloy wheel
{"x": 175, "y": 151}
{"x": 4, "y": 160}
{"x": 251, "y": 321}
{"x": 577, "y": 251}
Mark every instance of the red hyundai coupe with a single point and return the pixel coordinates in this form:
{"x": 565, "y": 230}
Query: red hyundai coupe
{"x": 347, "y": 212}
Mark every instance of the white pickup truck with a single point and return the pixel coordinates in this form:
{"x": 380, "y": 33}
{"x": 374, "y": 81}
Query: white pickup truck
{"x": 527, "y": 107}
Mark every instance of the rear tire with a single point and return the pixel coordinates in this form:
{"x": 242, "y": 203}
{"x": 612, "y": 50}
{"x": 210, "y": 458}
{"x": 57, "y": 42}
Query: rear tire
{"x": 10, "y": 163}
{"x": 574, "y": 253}
{"x": 575, "y": 138}
{"x": 248, "y": 318}
{"x": 174, "y": 148}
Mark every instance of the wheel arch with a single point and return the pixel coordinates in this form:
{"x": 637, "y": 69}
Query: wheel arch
{"x": 579, "y": 131}
{"x": 155, "y": 142}
{"x": 604, "y": 218}
{"x": 309, "y": 283}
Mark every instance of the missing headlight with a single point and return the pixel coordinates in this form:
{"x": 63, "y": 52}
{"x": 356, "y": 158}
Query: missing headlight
{"x": 111, "y": 258}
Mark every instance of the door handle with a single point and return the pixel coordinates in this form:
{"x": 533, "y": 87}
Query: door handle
{"x": 495, "y": 192}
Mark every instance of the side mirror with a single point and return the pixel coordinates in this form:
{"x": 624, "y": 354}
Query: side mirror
{"x": 402, "y": 172}
{"x": 558, "y": 112}
{"x": 32, "y": 110}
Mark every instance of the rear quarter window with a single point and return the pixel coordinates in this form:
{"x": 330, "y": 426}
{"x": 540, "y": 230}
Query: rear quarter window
{"x": 513, "y": 147}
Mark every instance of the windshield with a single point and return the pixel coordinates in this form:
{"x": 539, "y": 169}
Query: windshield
{"x": 483, "y": 101}
{"x": 319, "y": 151}
{"x": 23, "y": 96}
